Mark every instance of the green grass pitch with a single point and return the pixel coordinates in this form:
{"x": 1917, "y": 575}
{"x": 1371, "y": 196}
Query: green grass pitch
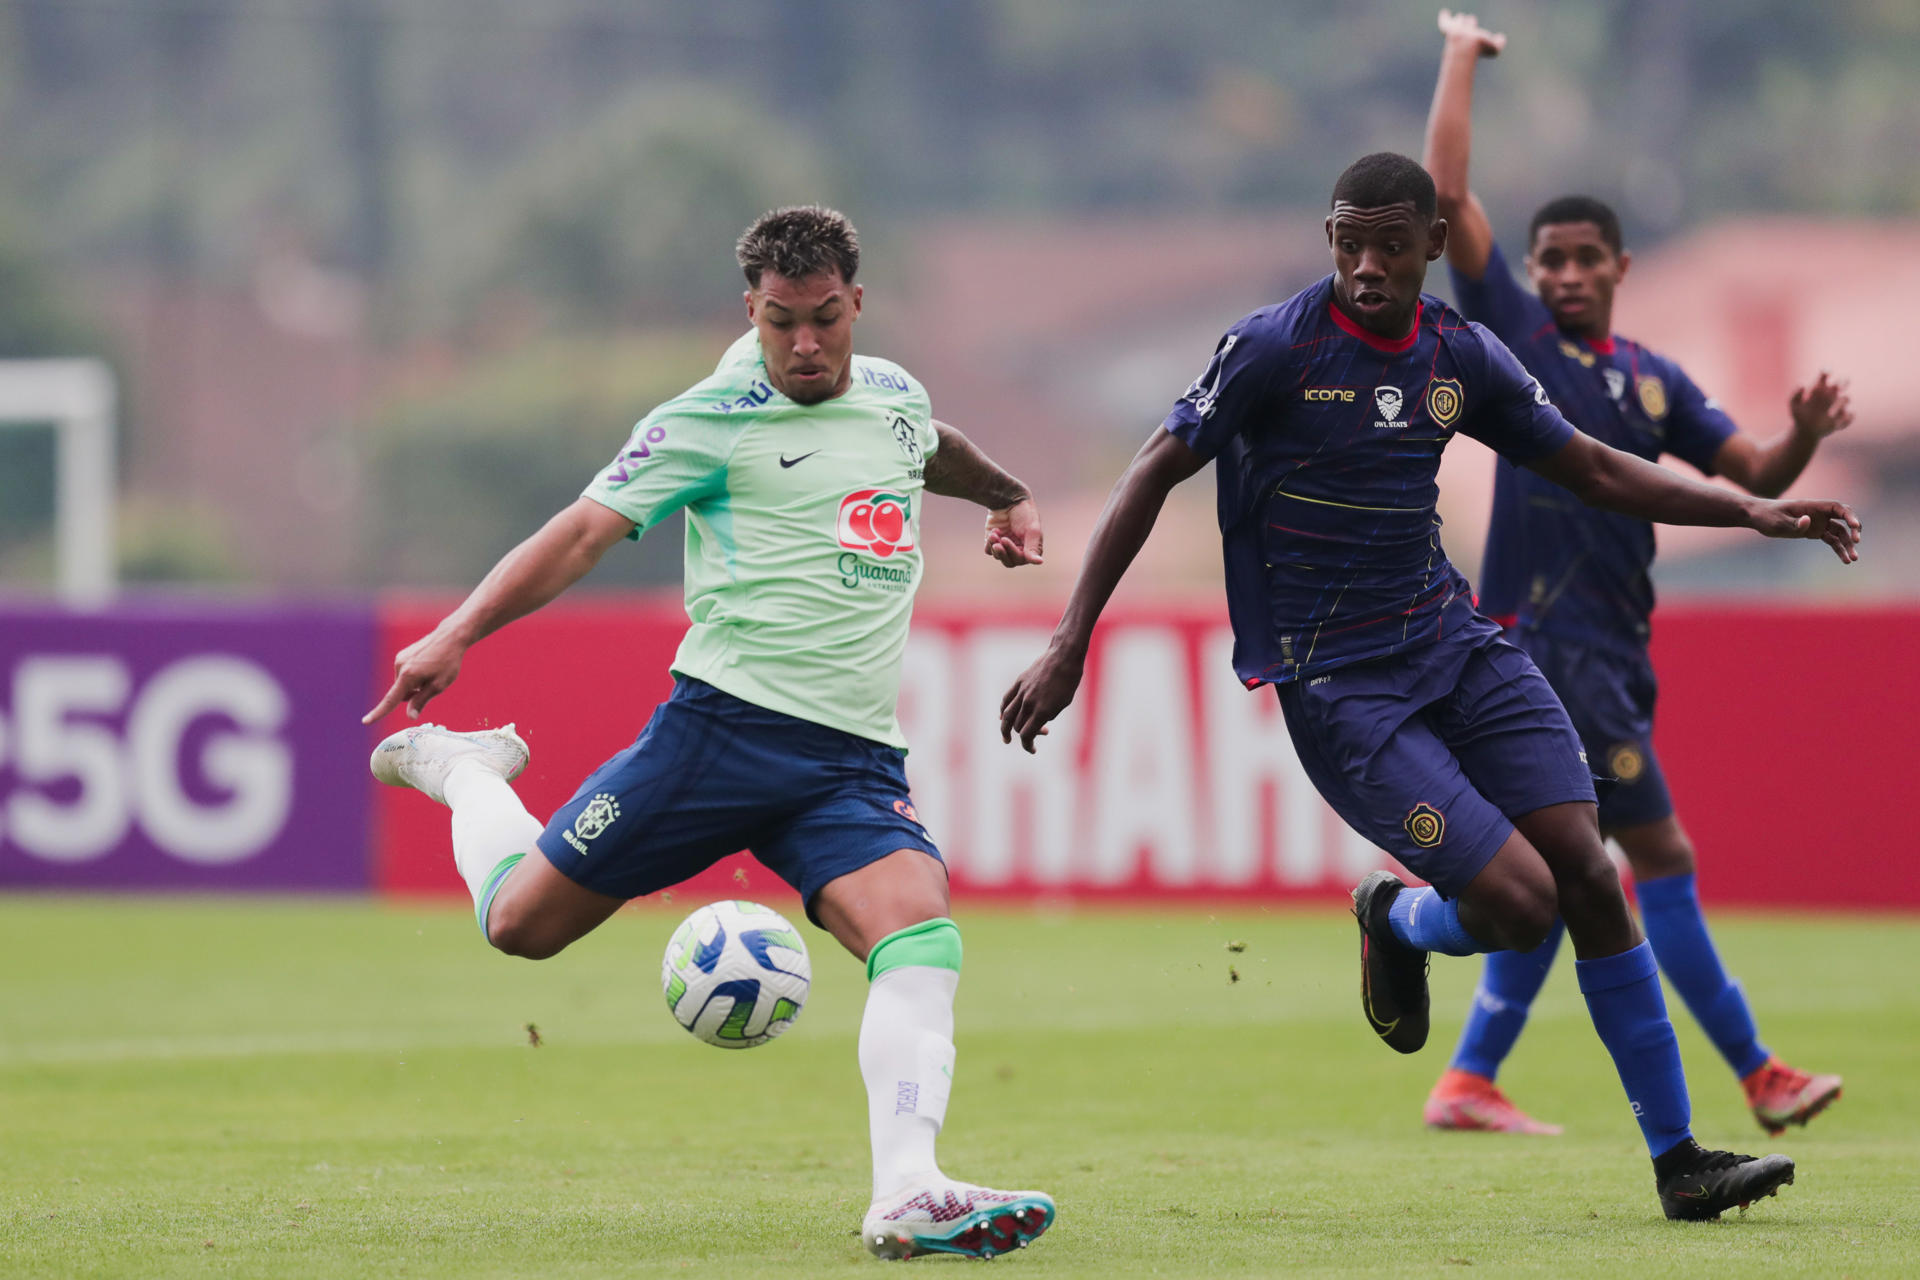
{"x": 291, "y": 1088}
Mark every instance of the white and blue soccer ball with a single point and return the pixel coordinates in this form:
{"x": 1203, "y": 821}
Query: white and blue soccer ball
{"x": 736, "y": 974}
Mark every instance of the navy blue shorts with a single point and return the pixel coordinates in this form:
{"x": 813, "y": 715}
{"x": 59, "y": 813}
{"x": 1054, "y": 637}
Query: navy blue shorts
{"x": 711, "y": 775}
{"x": 1431, "y": 754}
{"x": 1610, "y": 696}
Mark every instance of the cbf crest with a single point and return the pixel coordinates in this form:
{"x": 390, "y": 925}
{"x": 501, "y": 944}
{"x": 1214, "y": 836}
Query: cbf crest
{"x": 908, "y": 439}
{"x": 1444, "y": 401}
{"x": 1653, "y": 397}
{"x": 601, "y": 812}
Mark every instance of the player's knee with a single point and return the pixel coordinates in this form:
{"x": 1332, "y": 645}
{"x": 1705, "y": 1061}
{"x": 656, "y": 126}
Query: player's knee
{"x": 1516, "y": 911}
{"x": 1529, "y": 914}
{"x": 1591, "y": 882}
{"x": 516, "y": 933}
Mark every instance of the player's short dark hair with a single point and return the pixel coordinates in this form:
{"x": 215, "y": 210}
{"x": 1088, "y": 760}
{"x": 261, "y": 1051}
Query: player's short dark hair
{"x": 798, "y": 242}
{"x": 1578, "y": 209}
{"x": 1384, "y": 178}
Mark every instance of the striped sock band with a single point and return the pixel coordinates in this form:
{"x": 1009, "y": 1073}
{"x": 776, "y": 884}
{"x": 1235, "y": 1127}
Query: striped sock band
{"x": 495, "y": 879}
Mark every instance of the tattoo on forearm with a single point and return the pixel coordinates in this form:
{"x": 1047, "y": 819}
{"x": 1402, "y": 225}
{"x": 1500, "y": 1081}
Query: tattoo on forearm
{"x": 958, "y": 469}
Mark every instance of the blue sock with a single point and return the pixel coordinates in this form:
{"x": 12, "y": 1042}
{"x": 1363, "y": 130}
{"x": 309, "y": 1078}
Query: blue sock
{"x": 1425, "y": 921}
{"x": 1623, "y": 995}
{"x": 1500, "y": 1003}
{"x": 1671, "y": 908}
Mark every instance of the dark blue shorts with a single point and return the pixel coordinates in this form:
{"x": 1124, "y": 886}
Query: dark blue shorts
{"x": 711, "y": 775}
{"x": 1431, "y": 754}
{"x": 1610, "y": 696}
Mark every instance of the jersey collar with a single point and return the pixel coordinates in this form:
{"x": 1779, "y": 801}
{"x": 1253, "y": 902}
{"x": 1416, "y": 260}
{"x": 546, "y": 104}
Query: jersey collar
{"x": 1392, "y": 346}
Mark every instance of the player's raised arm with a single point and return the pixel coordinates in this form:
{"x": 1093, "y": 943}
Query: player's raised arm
{"x": 1045, "y": 688}
{"x": 959, "y": 469}
{"x": 1768, "y": 468}
{"x": 527, "y": 577}
{"x": 1450, "y": 140}
{"x": 1616, "y": 481}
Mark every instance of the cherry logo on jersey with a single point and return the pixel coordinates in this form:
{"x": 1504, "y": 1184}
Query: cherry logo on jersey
{"x": 877, "y": 521}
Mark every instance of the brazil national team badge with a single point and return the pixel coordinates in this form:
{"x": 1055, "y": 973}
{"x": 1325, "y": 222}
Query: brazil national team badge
{"x": 1626, "y": 762}
{"x": 1653, "y": 397}
{"x": 601, "y": 813}
{"x": 1426, "y": 826}
{"x": 1443, "y": 401}
{"x": 909, "y": 442}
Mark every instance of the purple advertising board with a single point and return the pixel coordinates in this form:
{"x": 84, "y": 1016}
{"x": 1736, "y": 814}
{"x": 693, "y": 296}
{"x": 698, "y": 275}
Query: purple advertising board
{"x": 184, "y": 747}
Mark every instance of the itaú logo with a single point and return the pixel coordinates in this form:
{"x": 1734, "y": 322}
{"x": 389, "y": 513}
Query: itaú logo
{"x": 876, "y": 521}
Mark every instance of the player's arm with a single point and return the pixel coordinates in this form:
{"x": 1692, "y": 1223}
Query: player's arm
{"x": 1450, "y": 140}
{"x": 1045, "y": 688}
{"x": 1616, "y": 481}
{"x": 1767, "y": 468}
{"x": 527, "y": 577}
{"x": 959, "y": 469}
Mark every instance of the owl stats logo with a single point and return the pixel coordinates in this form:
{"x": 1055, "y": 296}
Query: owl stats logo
{"x": 1388, "y": 401}
{"x": 876, "y": 521}
{"x": 601, "y": 812}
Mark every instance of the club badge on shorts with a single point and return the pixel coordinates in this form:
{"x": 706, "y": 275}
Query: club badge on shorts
{"x": 1426, "y": 825}
{"x": 1627, "y": 762}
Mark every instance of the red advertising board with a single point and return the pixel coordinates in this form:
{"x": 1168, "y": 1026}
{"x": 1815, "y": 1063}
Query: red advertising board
{"x": 1783, "y": 732}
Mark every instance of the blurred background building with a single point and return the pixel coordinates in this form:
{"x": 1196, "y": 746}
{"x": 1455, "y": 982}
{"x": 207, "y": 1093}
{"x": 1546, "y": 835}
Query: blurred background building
{"x": 385, "y": 281}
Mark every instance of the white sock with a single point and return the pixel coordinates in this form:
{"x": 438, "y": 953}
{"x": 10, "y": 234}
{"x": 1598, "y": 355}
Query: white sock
{"x": 906, "y": 1058}
{"x": 490, "y": 824}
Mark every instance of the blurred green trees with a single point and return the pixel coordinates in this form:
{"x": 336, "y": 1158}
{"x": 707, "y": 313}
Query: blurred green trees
{"x": 534, "y": 192}
{"x": 457, "y": 474}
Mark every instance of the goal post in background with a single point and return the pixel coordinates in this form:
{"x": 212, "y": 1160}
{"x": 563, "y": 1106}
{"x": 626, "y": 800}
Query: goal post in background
{"x": 77, "y": 398}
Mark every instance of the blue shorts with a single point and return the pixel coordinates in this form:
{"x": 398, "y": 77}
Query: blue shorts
{"x": 1431, "y": 754}
{"x": 1610, "y": 696}
{"x": 711, "y": 775}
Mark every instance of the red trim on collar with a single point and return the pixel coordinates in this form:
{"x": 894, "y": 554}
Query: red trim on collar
{"x": 1602, "y": 346}
{"x": 1392, "y": 346}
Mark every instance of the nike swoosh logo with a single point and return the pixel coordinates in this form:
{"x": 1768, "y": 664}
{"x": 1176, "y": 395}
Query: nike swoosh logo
{"x": 785, "y": 461}
{"x": 1366, "y": 991}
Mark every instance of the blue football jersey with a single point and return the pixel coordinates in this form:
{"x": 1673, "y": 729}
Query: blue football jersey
{"x": 1553, "y": 564}
{"x": 1326, "y": 440}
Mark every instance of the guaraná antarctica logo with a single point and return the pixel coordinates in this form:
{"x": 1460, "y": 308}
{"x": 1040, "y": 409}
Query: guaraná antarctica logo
{"x": 1426, "y": 826}
{"x": 876, "y": 521}
{"x": 1444, "y": 400}
{"x": 601, "y": 812}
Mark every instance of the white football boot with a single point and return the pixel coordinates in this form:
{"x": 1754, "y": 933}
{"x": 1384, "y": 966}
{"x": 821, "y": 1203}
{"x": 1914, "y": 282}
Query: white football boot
{"x": 422, "y": 755}
{"x": 944, "y": 1216}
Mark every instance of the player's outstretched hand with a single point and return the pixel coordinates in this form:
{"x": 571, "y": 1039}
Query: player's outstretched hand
{"x": 1831, "y": 522}
{"x": 1823, "y": 408}
{"x": 421, "y": 672}
{"x": 1013, "y": 534}
{"x": 1466, "y": 29}
{"x": 1041, "y": 693}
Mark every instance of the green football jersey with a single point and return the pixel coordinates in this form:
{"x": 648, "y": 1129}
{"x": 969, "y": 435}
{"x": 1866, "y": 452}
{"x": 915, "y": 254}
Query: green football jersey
{"x": 802, "y": 533}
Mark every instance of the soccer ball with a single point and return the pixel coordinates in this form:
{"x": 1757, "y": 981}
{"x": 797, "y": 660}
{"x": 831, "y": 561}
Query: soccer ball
{"x": 736, "y": 974}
